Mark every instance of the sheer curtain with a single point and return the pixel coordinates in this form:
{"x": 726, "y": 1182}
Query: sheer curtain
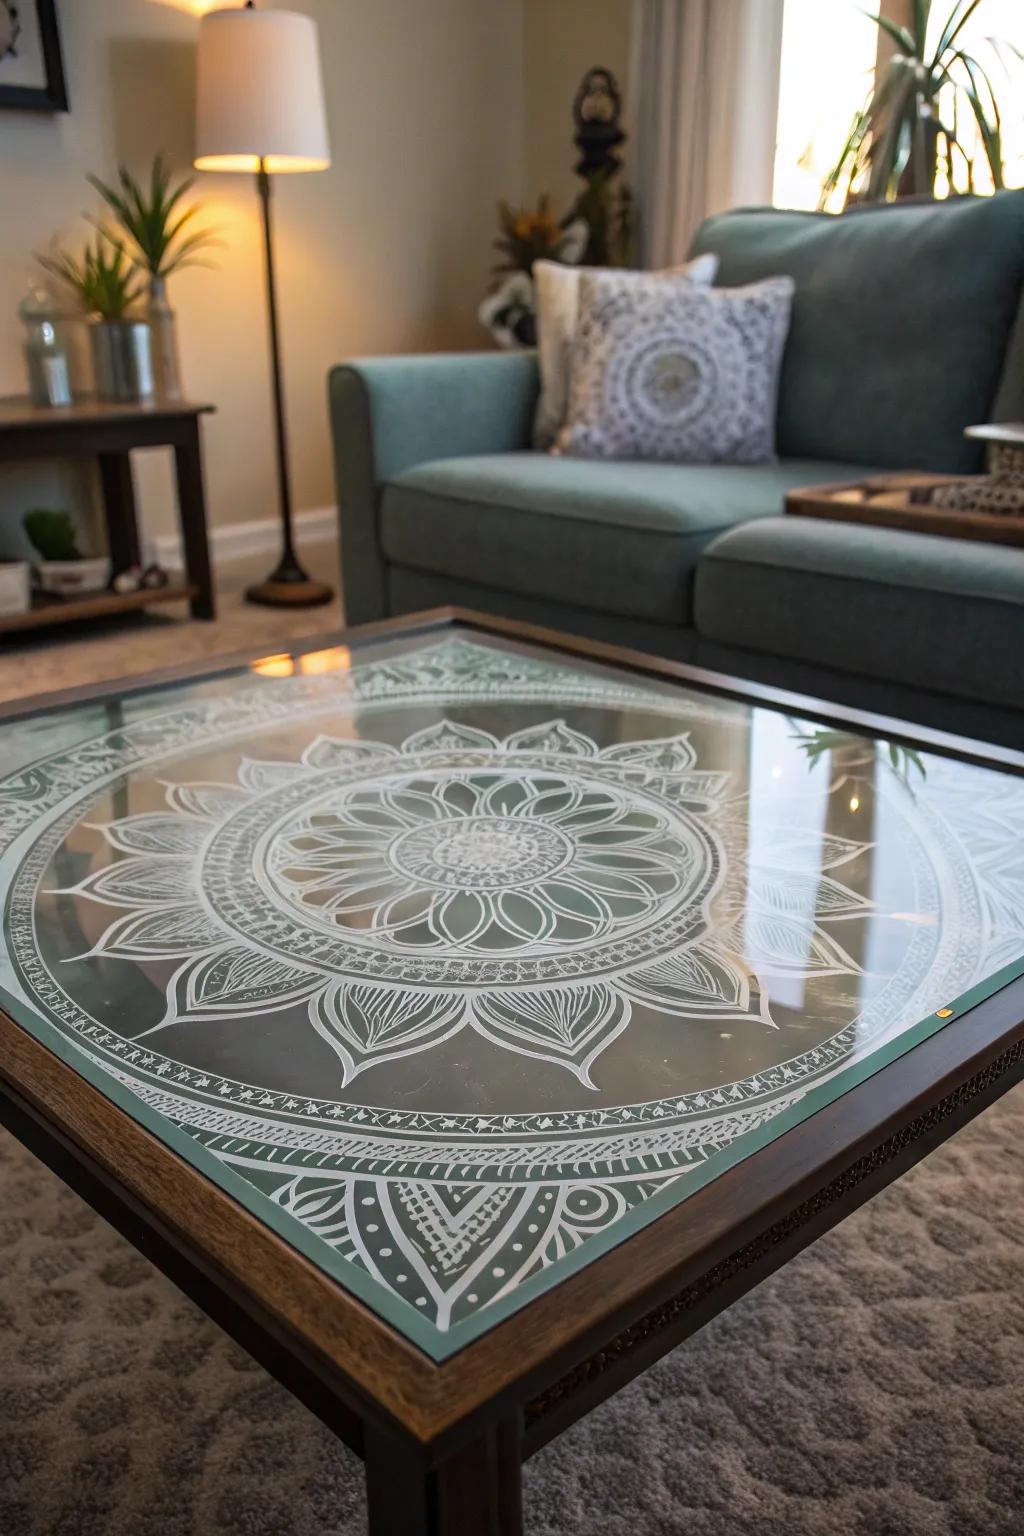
{"x": 705, "y": 93}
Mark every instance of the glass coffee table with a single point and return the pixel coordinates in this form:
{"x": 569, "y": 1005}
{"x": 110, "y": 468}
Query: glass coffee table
{"x": 463, "y": 1016}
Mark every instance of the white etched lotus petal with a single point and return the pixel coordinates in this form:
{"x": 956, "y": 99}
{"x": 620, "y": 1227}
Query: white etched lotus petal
{"x": 703, "y": 982}
{"x": 459, "y": 797}
{"x": 509, "y": 795}
{"x": 260, "y": 776}
{"x": 416, "y": 802}
{"x": 803, "y": 895}
{"x": 702, "y": 788}
{"x": 365, "y": 1025}
{"x": 463, "y": 919}
{"x": 522, "y": 915}
{"x": 632, "y": 829}
{"x": 577, "y": 901}
{"x": 567, "y": 1026}
{"x": 145, "y": 882}
{"x": 169, "y": 933}
{"x": 553, "y": 736}
{"x": 210, "y": 801}
{"x": 448, "y": 736}
{"x": 667, "y": 755}
{"x": 409, "y": 910}
{"x": 362, "y": 894}
{"x": 160, "y": 832}
{"x": 559, "y": 800}
{"x": 788, "y": 843}
{"x": 234, "y": 980}
{"x": 781, "y": 945}
{"x": 334, "y": 752}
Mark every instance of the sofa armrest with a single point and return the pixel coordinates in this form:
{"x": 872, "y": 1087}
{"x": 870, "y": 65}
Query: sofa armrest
{"x": 389, "y": 413}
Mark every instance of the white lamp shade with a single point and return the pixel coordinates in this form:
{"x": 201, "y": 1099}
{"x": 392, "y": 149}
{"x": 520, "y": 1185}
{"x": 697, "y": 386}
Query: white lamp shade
{"x": 260, "y": 94}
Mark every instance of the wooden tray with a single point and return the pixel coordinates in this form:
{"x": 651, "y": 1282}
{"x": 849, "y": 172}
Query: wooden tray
{"x": 902, "y": 501}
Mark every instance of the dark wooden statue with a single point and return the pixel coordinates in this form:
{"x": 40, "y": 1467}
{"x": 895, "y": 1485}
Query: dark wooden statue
{"x": 597, "y": 113}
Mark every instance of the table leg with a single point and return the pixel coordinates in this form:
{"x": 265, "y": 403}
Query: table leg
{"x": 119, "y": 506}
{"x": 477, "y": 1492}
{"x": 188, "y": 465}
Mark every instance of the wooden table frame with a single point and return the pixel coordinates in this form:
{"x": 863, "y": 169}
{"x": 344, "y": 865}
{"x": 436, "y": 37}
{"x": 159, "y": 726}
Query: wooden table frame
{"x": 109, "y": 433}
{"x": 443, "y": 1443}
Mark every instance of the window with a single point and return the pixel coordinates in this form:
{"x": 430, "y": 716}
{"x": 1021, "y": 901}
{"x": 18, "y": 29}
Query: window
{"x": 829, "y": 50}
{"x": 828, "y": 61}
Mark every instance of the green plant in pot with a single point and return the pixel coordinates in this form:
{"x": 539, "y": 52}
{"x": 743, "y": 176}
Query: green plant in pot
{"x": 61, "y": 568}
{"x": 163, "y": 239}
{"x": 106, "y": 284}
{"x": 932, "y": 121}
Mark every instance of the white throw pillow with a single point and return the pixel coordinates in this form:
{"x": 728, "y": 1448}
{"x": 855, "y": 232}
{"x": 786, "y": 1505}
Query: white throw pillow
{"x": 674, "y": 371}
{"x": 557, "y": 290}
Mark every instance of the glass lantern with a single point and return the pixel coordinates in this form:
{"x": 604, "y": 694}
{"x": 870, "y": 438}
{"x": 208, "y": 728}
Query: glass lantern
{"x": 49, "y": 380}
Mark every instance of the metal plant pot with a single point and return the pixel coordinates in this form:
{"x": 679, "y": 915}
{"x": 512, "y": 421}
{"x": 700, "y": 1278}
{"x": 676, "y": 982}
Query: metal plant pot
{"x": 122, "y": 358}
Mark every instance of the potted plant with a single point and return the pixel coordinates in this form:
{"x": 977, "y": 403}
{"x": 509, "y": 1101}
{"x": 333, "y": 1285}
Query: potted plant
{"x": 61, "y": 569}
{"x": 106, "y": 284}
{"x": 162, "y": 240}
{"x": 909, "y": 139}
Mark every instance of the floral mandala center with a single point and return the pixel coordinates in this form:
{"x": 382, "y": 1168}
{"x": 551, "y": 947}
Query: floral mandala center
{"x": 487, "y": 853}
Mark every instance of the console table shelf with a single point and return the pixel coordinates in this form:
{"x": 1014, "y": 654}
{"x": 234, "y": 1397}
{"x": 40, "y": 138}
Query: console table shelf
{"x": 98, "y": 605}
{"x": 109, "y": 433}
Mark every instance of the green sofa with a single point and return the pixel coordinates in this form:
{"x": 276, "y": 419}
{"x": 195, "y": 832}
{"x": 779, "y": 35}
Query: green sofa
{"x": 905, "y": 330}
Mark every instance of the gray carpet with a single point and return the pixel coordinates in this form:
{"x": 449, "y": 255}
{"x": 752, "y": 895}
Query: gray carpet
{"x": 874, "y": 1388}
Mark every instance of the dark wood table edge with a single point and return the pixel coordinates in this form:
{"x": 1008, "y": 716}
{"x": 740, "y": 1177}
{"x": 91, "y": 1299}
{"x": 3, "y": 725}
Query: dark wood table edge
{"x": 506, "y": 1393}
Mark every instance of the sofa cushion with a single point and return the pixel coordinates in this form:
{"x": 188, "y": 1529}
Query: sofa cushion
{"x": 613, "y": 537}
{"x": 941, "y": 614}
{"x": 901, "y": 321}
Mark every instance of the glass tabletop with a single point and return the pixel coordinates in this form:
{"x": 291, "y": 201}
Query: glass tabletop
{"x": 458, "y": 961}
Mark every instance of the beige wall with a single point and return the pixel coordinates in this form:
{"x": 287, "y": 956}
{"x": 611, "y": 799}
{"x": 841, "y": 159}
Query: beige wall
{"x": 563, "y": 39}
{"x": 387, "y": 251}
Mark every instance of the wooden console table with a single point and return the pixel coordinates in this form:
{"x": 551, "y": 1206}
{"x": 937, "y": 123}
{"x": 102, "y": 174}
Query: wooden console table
{"x": 108, "y": 433}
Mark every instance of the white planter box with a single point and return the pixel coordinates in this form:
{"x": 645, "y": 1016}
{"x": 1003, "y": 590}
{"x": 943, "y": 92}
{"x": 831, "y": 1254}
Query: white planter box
{"x": 73, "y": 578}
{"x": 15, "y": 587}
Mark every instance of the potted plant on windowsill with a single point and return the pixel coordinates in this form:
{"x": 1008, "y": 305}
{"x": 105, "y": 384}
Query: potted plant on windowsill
{"x": 61, "y": 569}
{"x": 106, "y": 285}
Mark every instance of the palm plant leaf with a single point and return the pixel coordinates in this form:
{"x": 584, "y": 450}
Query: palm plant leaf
{"x": 146, "y": 215}
{"x": 903, "y": 39}
{"x": 922, "y": 16}
{"x": 955, "y": 23}
{"x": 977, "y": 91}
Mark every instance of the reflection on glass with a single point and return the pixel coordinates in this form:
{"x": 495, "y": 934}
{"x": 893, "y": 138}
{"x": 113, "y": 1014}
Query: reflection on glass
{"x": 467, "y": 958}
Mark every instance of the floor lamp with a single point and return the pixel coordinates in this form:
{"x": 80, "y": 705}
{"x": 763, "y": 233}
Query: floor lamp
{"x": 260, "y": 108}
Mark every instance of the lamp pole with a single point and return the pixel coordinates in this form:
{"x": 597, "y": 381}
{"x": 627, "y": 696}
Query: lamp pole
{"x": 288, "y": 585}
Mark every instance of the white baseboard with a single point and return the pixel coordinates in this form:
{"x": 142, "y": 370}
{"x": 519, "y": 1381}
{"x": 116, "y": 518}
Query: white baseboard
{"x": 236, "y": 541}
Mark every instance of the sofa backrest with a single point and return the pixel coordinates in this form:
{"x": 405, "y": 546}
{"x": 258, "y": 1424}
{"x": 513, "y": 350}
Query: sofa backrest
{"x": 901, "y": 322}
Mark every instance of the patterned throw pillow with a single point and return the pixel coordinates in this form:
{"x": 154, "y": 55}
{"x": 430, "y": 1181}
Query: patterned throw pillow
{"x": 668, "y": 370}
{"x": 557, "y": 288}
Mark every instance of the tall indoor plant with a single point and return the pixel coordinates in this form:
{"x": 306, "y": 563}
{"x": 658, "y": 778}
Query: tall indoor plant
{"x": 162, "y": 239}
{"x": 106, "y": 284}
{"x": 909, "y": 138}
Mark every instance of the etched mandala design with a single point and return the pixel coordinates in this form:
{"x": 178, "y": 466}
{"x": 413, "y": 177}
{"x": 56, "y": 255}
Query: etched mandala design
{"x": 488, "y": 861}
{"x": 509, "y": 921}
{"x": 533, "y": 889}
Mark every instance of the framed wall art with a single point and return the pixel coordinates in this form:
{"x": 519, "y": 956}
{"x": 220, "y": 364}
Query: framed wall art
{"x": 31, "y": 67}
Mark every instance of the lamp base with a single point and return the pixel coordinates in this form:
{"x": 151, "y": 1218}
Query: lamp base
{"x": 289, "y": 587}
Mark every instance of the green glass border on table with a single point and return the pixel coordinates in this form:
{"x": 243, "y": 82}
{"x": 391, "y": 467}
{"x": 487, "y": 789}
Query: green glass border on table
{"x": 400, "y": 1315}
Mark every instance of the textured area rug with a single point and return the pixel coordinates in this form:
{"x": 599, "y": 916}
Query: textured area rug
{"x": 873, "y": 1388}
